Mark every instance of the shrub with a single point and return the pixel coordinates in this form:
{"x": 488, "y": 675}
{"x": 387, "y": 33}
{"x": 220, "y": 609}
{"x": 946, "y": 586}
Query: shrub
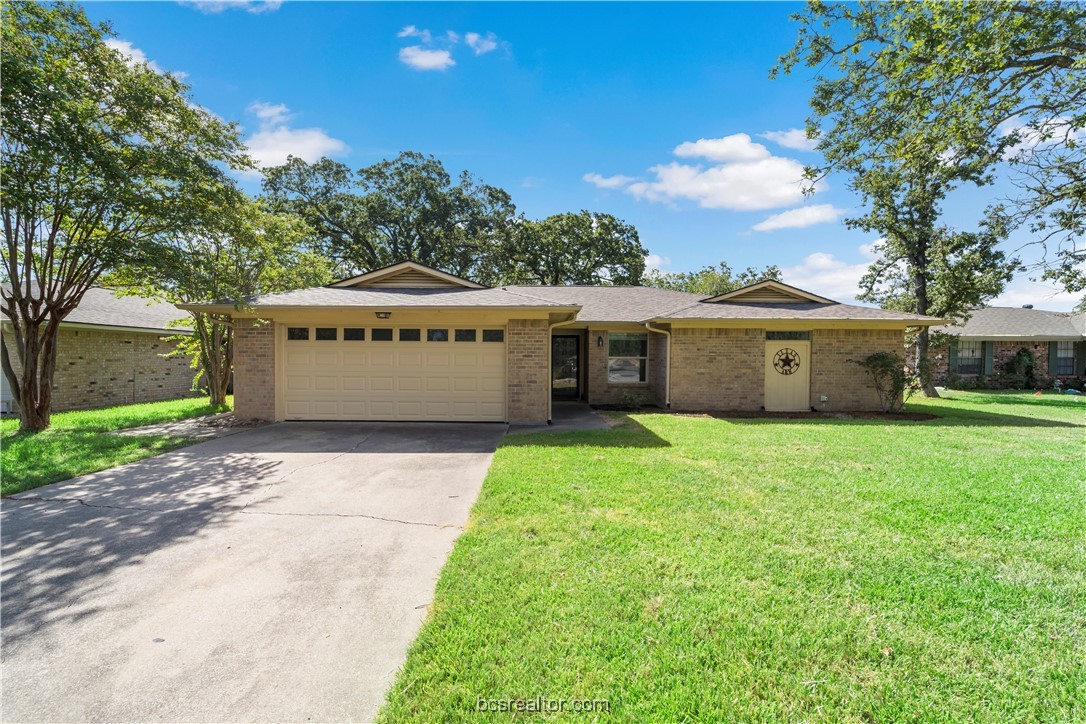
{"x": 893, "y": 383}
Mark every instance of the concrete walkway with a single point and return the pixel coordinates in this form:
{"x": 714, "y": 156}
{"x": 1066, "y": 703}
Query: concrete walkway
{"x": 566, "y": 416}
{"x": 278, "y": 574}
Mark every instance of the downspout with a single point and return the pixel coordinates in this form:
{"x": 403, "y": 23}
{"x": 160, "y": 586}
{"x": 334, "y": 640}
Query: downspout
{"x": 667, "y": 377}
{"x": 550, "y": 364}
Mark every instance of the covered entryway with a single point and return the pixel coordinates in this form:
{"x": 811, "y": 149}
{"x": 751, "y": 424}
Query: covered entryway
{"x": 787, "y": 374}
{"x": 566, "y": 367}
{"x": 428, "y": 373}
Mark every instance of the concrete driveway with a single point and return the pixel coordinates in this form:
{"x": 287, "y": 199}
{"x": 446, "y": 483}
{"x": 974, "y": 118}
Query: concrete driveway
{"x": 278, "y": 574}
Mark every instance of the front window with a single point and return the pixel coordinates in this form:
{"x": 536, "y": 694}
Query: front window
{"x": 1065, "y": 358}
{"x": 970, "y": 357}
{"x": 627, "y": 357}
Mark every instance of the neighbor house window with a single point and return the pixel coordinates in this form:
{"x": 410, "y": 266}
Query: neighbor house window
{"x": 627, "y": 357}
{"x": 410, "y": 335}
{"x": 326, "y": 334}
{"x": 970, "y": 357}
{"x": 465, "y": 335}
{"x": 354, "y": 334}
{"x": 381, "y": 335}
{"x": 1065, "y": 358}
{"x": 493, "y": 335}
{"x": 297, "y": 334}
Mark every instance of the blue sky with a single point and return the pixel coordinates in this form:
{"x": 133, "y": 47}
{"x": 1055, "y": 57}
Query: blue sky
{"x": 661, "y": 114}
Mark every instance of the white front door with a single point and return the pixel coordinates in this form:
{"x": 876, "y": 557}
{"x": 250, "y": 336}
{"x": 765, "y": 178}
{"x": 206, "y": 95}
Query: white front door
{"x": 787, "y": 375}
{"x": 435, "y": 373}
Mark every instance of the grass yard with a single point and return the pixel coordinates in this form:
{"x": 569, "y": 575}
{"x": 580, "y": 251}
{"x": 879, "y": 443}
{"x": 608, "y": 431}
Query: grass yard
{"x": 699, "y": 569}
{"x": 74, "y": 444}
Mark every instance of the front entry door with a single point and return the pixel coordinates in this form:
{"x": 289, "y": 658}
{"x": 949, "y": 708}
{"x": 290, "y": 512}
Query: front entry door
{"x": 787, "y": 375}
{"x": 565, "y": 372}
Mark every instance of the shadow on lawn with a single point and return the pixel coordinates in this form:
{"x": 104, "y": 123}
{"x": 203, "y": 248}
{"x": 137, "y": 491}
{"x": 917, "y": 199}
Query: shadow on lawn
{"x": 625, "y": 432}
{"x": 939, "y": 418}
{"x": 62, "y": 543}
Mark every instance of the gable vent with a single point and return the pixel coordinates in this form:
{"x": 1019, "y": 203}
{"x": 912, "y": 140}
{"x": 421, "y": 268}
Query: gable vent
{"x": 411, "y": 279}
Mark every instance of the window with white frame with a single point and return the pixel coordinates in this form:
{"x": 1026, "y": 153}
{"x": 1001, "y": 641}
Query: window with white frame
{"x": 970, "y": 357}
{"x": 1065, "y": 358}
{"x": 627, "y": 357}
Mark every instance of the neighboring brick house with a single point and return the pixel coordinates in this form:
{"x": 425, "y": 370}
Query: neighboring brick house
{"x": 110, "y": 351}
{"x": 408, "y": 342}
{"x": 994, "y": 343}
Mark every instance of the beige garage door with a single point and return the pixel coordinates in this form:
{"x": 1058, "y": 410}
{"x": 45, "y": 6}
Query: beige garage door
{"x": 437, "y": 373}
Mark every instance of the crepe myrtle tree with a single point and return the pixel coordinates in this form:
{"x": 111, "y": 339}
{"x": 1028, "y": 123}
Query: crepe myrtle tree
{"x": 253, "y": 252}
{"x": 103, "y": 159}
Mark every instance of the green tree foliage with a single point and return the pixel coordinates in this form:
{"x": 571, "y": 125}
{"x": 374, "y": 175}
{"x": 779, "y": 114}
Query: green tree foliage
{"x": 710, "y": 281}
{"x": 992, "y": 84}
{"x": 404, "y": 209}
{"x": 584, "y": 248}
{"x": 892, "y": 383}
{"x": 252, "y": 252}
{"x": 103, "y": 158}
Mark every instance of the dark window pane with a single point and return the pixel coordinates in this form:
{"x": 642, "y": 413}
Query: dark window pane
{"x": 410, "y": 335}
{"x": 381, "y": 335}
{"x": 465, "y": 335}
{"x": 624, "y": 344}
{"x": 326, "y": 334}
{"x": 787, "y": 335}
{"x": 626, "y": 370}
{"x": 354, "y": 334}
{"x": 298, "y": 333}
{"x": 437, "y": 335}
{"x": 493, "y": 335}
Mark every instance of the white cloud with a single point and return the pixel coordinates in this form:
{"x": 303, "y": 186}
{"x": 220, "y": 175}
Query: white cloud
{"x": 750, "y": 186}
{"x": 608, "y": 182}
{"x": 824, "y": 274}
{"x": 214, "y": 7}
{"x": 657, "y": 262}
{"x": 134, "y": 56}
{"x": 794, "y": 138}
{"x": 411, "y": 31}
{"x": 421, "y": 58}
{"x": 275, "y": 140}
{"x": 481, "y": 44}
{"x": 1039, "y": 294}
{"x": 736, "y": 147}
{"x": 800, "y": 218}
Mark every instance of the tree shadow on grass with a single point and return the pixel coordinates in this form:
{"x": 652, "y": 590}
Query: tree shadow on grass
{"x": 62, "y": 543}
{"x": 624, "y": 432}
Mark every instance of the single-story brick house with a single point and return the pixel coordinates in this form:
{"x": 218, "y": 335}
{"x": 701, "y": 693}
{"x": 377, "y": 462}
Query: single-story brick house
{"x": 110, "y": 352}
{"x": 409, "y": 342}
{"x": 992, "y": 337}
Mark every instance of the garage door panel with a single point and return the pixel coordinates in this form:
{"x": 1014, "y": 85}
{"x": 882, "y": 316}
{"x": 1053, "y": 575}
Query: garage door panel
{"x": 382, "y": 380}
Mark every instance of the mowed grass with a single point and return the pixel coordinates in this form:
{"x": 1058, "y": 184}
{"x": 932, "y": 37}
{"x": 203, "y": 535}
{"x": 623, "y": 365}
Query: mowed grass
{"x": 75, "y": 443}
{"x": 700, "y": 569}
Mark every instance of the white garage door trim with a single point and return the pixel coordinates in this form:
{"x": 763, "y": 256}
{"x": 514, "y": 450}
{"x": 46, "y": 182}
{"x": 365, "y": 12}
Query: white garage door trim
{"x": 440, "y": 376}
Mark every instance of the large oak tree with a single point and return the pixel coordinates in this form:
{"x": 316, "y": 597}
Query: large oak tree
{"x": 102, "y": 159}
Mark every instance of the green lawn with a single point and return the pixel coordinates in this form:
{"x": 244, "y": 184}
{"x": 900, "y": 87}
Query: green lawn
{"x": 698, "y": 569}
{"x": 75, "y": 445}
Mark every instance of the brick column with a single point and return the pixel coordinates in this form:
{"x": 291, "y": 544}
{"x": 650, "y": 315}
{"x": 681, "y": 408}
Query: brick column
{"x": 527, "y": 347}
{"x": 254, "y": 370}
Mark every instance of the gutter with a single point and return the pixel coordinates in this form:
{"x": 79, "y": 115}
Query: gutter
{"x": 550, "y": 364}
{"x": 667, "y": 377}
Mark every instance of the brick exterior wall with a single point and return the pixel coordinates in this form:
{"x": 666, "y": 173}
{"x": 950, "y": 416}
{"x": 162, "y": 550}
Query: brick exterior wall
{"x": 602, "y": 392}
{"x": 717, "y": 369}
{"x": 846, "y": 385}
{"x": 97, "y": 368}
{"x": 1003, "y": 353}
{"x": 254, "y": 370}
{"x": 527, "y": 349}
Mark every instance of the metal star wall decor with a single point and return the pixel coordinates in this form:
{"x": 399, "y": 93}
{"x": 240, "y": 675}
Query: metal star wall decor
{"x": 786, "y": 361}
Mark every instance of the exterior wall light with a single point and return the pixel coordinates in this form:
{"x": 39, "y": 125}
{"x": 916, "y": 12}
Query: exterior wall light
{"x": 599, "y": 341}
{"x": 383, "y": 315}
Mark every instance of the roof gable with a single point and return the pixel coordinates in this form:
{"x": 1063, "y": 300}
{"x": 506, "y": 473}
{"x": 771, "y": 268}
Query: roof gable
{"x": 769, "y": 291}
{"x": 408, "y": 275}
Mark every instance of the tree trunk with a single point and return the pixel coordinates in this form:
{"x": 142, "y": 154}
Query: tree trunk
{"x": 39, "y": 361}
{"x": 922, "y": 366}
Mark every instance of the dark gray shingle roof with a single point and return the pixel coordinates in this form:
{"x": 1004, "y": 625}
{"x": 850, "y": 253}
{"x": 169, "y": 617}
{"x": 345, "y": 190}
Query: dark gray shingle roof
{"x": 102, "y": 307}
{"x": 1019, "y": 323}
{"x": 614, "y": 304}
{"x": 393, "y": 297}
{"x": 797, "y": 310}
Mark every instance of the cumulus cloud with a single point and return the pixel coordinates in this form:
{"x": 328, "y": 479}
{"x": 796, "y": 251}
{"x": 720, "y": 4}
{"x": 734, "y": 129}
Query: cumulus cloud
{"x": 794, "y": 138}
{"x": 275, "y": 139}
{"x": 1039, "y": 294}
{"x": 741, "y": 176}
{"x": 736, "y": 147}
{"x": 657, "y": 262}
{"x": 214, "y": 7}
{"x": 608, "y": 182}
{"x": 828, "y": 276}
{"x": 411, "y": 31}
{"x": 481, "y": 44}
{"x": 800, "y": 218}
{"x": 420, "y": 58}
